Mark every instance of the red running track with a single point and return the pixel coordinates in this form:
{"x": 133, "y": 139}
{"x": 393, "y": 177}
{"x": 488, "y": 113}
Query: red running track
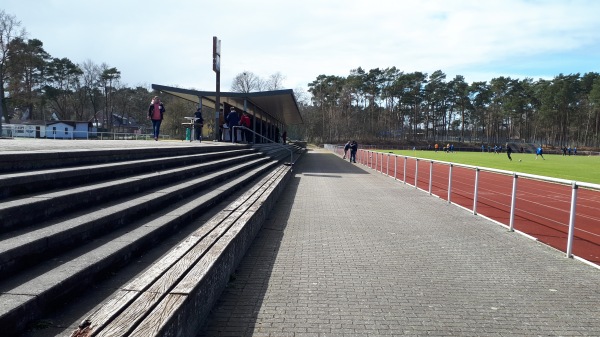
{"x": 542, "y": 208}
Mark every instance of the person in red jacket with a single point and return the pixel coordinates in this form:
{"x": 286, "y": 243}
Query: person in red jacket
{"x": 155, "y": 113}
{"x": 245, "y": 121}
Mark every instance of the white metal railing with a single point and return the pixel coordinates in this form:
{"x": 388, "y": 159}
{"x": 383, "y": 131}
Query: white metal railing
{"x": 268, "y": 140}
{"x": 9, "y": 131}
{"x": 376, "y": 161}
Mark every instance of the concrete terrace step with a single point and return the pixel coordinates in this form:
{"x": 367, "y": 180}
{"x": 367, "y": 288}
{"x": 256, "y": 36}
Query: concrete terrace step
{"x": 159, "y": 301}
{"x": 52, "y": 237}
{"x": 29, "y": 210}
{"x": 20, "y": 183}
{"x": 34, "y": 295}
{"x": 19, "y": 161}
{"x": 58, "y": 241}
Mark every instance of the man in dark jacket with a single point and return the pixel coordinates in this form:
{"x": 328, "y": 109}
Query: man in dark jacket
{"x": 353, "y": 149}
{"x": 198, "y": 123}
{"x": 233, "y": 119}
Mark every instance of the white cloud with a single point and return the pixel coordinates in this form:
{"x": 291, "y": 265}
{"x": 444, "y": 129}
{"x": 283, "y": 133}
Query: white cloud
{"x": 171, "y": 43}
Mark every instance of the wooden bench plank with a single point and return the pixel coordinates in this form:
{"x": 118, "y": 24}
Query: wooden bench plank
{"x": 192, "y": 293}
{"x": 162, "y": 276}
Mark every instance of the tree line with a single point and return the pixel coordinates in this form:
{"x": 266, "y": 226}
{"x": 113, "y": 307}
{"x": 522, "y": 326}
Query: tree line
{"x": 53, "y": 87}
{"x": 50, "y": 87}
{"x": 375, "y": 106}
{"x": 387, "y": 105}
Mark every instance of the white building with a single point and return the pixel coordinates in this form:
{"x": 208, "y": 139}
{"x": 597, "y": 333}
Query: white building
{"x": 69, "y": 130}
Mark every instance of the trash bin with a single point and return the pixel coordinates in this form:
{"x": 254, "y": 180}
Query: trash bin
{"x": 188, "y": 133}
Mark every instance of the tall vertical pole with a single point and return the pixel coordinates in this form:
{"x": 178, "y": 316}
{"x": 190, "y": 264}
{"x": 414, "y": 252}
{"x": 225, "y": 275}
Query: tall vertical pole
{"x": 217, "y": 70}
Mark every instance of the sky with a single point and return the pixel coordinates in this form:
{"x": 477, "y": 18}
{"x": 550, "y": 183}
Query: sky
{"x": 170, "y": 42}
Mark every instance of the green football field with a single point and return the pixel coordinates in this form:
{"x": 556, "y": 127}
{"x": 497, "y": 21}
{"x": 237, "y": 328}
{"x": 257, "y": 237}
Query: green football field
{"x": 578, "y": 168}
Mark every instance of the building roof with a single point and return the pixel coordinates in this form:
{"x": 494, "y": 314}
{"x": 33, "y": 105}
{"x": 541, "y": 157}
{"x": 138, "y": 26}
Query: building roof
{"x": 71, "y": 123}
{"x": 279, "y": 104}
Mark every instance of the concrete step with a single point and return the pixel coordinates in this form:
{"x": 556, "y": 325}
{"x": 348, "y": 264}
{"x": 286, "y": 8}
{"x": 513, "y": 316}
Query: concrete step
{"x": 47, "y": 159}
{"x": 25, "y": 182}
{"x": 58, "y": 241}
{"x": 25, "y": 247}
{"x": 172, "y": 296}
{"x": 28, "y": 296}
{"x": 26, "y": 211}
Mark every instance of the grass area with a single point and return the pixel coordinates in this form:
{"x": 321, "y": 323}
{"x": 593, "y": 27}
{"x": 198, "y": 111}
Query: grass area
{"x": 579, "y": 168}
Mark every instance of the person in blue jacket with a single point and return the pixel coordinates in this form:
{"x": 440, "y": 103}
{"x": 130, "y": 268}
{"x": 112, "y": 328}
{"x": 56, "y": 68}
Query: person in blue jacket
{"x": 539, "y": 152}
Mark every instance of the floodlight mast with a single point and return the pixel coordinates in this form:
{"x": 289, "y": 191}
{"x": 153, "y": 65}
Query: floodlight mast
{"x": 217, "y": 70}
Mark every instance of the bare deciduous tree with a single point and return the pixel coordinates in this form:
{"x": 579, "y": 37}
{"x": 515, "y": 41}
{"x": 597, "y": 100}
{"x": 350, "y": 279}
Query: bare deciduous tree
{"x": 246, "y": 82}
{"x": 275, "y": 81}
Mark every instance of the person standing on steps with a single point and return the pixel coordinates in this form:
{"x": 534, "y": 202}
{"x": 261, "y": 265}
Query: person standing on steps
{"x": 245, "y": 122}
{"x": 155, "y": 114}
{"x": 233, "y": 119}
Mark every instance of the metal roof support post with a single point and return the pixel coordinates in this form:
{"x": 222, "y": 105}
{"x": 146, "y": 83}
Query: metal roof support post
{"x": 270, "y": 128}
{"x": 194, "y": 127}
{"x": 260, "y": 127}
{"x": 217, "y": 70}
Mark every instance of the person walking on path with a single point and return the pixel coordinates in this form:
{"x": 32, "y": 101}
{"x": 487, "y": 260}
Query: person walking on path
{"x": 508, "y": 152}
{"x": 156, "y": 112}
{"x": 346, "y": 148}
{"x": 353, "y": 149}
{"x": 539, "y": 152}
{"x": 233, "y": 119}
{"x": 198, "y": 124}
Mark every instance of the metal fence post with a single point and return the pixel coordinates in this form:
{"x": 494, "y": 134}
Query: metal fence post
{"x": 416, "y": 170}
{"x": 388, "y": 165}
{"x": 572, "y": 220}
{"x": 404, "y": 177}
{"x": 476, "y": 191}
{"x": 449, "y": 183}
{"x": 430, "y": 175}
{"x": 512, "y": 203}
{"x": 395, "y": 167}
